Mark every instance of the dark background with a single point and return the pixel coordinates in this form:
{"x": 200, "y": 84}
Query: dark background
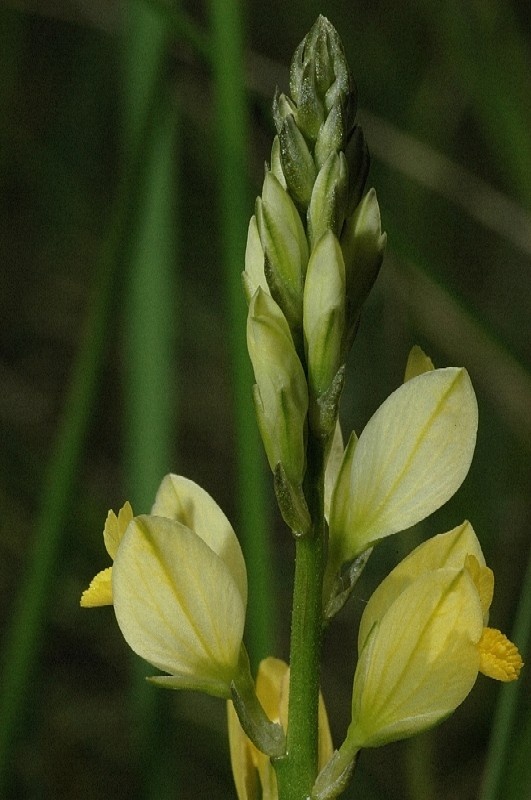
{"x": 445, "y": 101}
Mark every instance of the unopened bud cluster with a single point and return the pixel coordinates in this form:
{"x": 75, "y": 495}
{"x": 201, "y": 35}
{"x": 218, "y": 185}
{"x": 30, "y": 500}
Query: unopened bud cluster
{"x": 314, "y": 249}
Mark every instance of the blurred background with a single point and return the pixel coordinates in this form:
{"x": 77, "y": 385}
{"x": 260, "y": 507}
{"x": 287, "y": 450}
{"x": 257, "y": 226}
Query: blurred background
{"x": 132, "y": 142}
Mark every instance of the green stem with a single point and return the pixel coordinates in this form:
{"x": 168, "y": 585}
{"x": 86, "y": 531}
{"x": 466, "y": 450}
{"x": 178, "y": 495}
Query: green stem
{"x": 297, "y": 771}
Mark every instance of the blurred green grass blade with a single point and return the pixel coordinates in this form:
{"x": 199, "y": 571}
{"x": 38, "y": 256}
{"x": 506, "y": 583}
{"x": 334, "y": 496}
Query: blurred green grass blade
{"x": 182, "y": 25}
{"x": 504, "y": 731}
{"x": 151, "y": 290}
{"x": 28, "y": 623}
{"x": 234, "y": 205}
{"x": 149, "y": 341}
{"x": 499, "y": 81}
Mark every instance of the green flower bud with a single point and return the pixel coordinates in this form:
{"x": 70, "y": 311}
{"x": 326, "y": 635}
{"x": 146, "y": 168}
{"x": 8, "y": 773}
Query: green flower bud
{"x": 363, "y": 245}
{"x": 324, "y": 314}
{"x": 285, "y": 248}
{"x": 281, "y": 392}
{"x": 329, "y": 198}
{"x": 297, "y": 162}
{"x": 321, "y": 53}
{"x": 310, "y": 110}
{"x": 331, "y": 135}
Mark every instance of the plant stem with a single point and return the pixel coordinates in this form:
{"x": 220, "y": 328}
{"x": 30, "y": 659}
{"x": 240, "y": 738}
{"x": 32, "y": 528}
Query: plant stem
{"x": 297, "y": 771}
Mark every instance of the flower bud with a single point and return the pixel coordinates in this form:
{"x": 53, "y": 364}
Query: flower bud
{"x": 331, "y": 135}
{"x": 324, "y": 313}
{"x": 297, "y": 162}
{"x": 281, "y": 393}
{"x": 363, "y": 244}
{"x": 329, "y": 198}
{"x": 285, "y": 248}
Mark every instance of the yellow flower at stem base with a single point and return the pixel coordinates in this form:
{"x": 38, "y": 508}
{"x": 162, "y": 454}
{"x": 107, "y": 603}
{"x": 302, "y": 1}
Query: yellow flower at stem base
{"x": 250, "y": 767}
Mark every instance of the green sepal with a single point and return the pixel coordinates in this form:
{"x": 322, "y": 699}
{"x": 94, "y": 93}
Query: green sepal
{"x": 292, "y": 503}
{"x": 266, "y": 735}
{"x": 344, "y": 584}
{"x": 190, "y": 683}
{"x": 297, "y": 163}
{"x": 335, "y": 776}
{"x": 323, "y": 414}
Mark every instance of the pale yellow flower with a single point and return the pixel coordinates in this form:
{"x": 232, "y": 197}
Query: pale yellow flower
{"x": 423, "y": 639}
{"x": 253, "y": 773}
{"x": 179, "y": 587}
{"x": 412, "y": 456}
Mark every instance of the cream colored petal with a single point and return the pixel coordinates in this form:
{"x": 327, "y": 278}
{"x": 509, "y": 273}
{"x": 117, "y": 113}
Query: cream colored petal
{"x": 115, "y": 527}
{"x": 420, "y": 661}
{"x": 181, "y": 499}
{"x": 412, "y": 456}
{"x": 176, "y": 602}
{"x": 99, "y": 593}
{"x": 445, "y": 550}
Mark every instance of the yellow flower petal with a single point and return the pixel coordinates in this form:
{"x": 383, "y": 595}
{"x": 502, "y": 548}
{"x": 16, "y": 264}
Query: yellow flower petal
{"x": 242, "y": 761}
{"x": 420, "y": 660}
{"x": 417, "y": 363}
{"x": 99, "y": 593}
{"x": 177, "y": 603}
{"x": 412, "y": 456}
{"x": 181, "y": 499}
{"x": 449, "y": 550}
{"x": 483, "y": 578}
{"x": 272, "y": 689}
{"x": 499, "y": 657}
{"x": 115, "y": 527}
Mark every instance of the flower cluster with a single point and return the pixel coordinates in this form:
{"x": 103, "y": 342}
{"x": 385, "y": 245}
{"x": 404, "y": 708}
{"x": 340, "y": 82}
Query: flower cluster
{"x": 178, "y": 582}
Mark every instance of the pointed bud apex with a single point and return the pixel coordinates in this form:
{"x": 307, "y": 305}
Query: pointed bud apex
{"x": 283, "y": 106}
{"x": 331, "y": 135}
{"x": 329, "y": 199}
{"x": 297, "y": 162}
{"x": 281, "y": 393}
{"x": 276, "y": 163}
{"x": 321, "y": 53}
{"x": 324, "y": 313}
{"x": 363, "y": 245}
